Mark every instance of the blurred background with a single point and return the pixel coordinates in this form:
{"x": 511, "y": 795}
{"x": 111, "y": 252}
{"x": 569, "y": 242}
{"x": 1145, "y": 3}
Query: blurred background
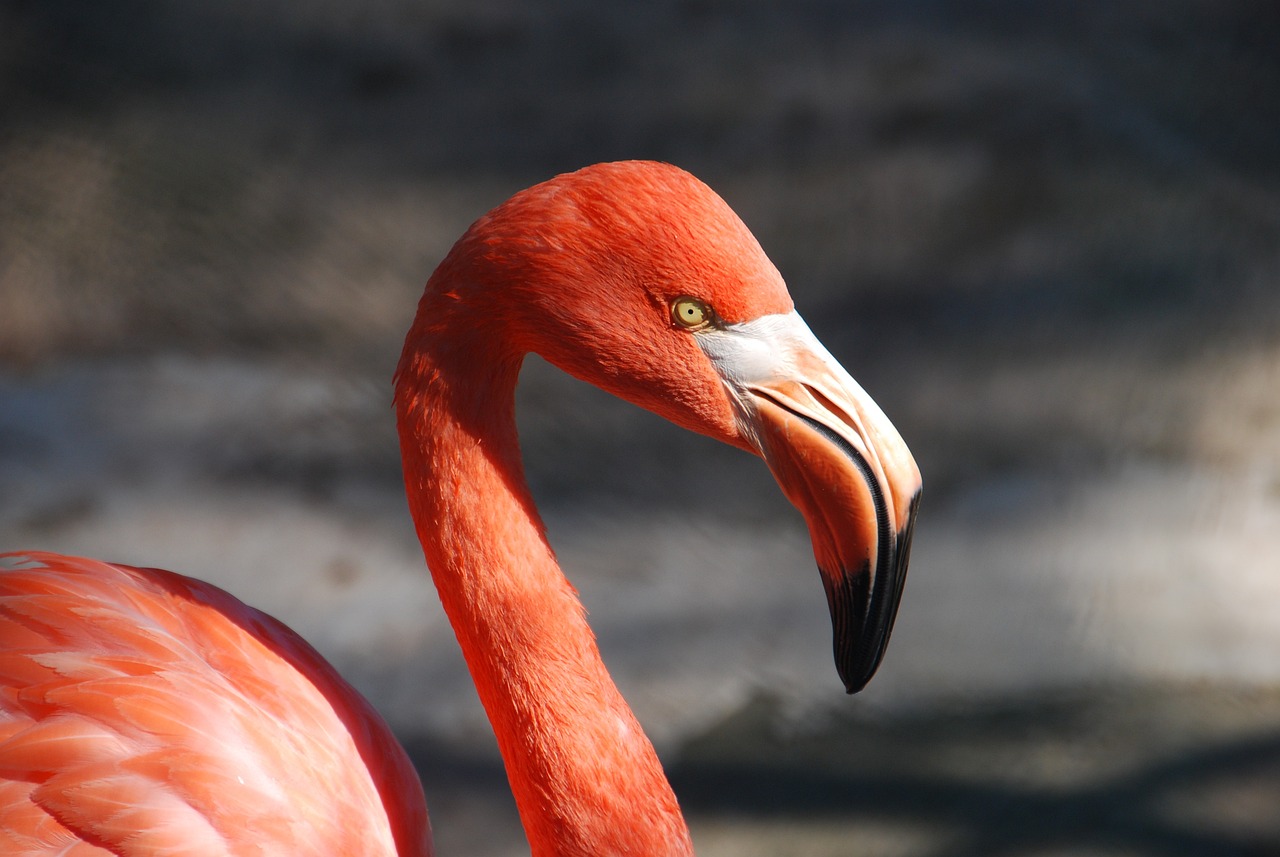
{"x": 1046, "y": 237}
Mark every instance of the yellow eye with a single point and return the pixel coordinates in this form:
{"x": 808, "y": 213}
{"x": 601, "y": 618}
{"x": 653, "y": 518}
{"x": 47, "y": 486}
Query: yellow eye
{"x": 691, "y": 313}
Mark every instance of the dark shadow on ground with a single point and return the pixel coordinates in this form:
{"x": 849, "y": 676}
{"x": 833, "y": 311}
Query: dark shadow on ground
{"x": 1152, "y": 772}
{"x": 1129, "y": 771}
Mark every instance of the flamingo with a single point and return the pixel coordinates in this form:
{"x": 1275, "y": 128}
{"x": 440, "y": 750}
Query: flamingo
{"x": 145, "y": 713}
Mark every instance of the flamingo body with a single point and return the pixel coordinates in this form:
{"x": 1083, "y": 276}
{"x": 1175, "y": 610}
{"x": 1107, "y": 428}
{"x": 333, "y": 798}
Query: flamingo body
{"x": 144, "y": 713}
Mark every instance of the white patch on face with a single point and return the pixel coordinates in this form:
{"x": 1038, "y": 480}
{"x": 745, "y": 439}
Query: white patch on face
{"x": 757, "y": 350}
{"x": 769, "y": 348}
{"x": 781, "y": 347}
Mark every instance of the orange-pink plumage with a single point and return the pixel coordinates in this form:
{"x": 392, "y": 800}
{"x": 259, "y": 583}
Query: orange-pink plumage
{"x": 146, "y": 714}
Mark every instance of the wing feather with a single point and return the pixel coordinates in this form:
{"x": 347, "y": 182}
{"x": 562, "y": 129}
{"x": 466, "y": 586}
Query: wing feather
{"x": 146, "y": 714}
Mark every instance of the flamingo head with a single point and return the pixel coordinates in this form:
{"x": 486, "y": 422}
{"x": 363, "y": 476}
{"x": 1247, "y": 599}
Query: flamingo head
{"x": 638, "y": 278}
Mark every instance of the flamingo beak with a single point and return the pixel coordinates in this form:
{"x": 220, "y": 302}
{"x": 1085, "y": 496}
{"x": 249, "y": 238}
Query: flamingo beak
{"x": 840, "y": 461}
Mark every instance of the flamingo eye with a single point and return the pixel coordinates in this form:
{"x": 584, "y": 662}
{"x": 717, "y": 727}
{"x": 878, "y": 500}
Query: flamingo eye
{"x": 691, "y": 313}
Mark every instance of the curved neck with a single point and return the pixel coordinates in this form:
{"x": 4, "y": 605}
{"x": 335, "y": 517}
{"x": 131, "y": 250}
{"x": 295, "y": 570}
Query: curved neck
{"x": 585, "y": 777}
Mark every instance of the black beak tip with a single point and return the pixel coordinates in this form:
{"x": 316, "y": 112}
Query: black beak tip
{"x": 866, "y": 665}
{"x": 864, "y": 606}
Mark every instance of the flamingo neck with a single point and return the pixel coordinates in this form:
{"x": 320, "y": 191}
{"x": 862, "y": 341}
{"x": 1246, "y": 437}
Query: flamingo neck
{"x": 585, "y": 777}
